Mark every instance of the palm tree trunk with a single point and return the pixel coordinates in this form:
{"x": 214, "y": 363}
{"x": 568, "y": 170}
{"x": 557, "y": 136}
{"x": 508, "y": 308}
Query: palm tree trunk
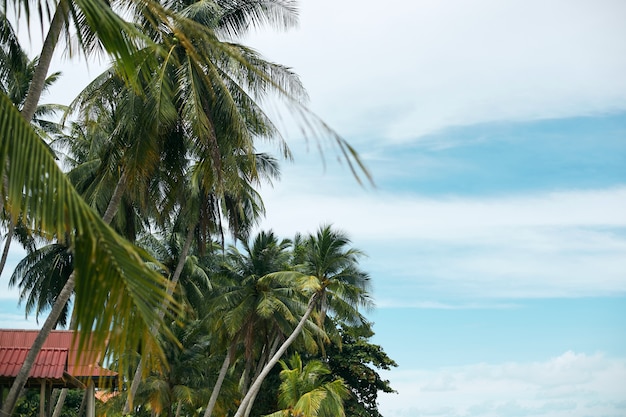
{"x": 35, "y": 89}
{"x": 63, "y": 394}
{"x": 28, "y": 111}
{"x": 251, "y": 403}
{"x": 267, "y": 354}
{"x": 59, "y": 404}
{"x": 47, "y": 50}
{"x": 256, "y": 386}
{"x": 258, "y": 372}
{"x": 49, "y": 324}
{"x": 116, "y": 199}
{"x": 218, "y": 385}
{"x": 7, "y": 245}
{"x": 245, "y": 378}
{"x": 134, "y": 386}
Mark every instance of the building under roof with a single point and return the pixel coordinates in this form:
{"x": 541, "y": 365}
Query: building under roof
{"x": 59, "y": 364}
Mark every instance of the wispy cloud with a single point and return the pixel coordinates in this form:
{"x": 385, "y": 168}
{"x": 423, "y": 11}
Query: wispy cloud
{"x": 426, "y": 65}
{"x": 569, "y": 243}
{"x": 571, "y": 384}
{"x": 393, "y": 216}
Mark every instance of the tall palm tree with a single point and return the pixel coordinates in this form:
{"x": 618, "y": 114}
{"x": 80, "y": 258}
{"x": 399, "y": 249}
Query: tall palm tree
{"x": 60, "y": 211}
{"x": 37, "y": 190}
{"x": 16, "y": 72}
{"x": 305, "y": 390}
{"x": 331, "y": 276}
{"x": 253, "y": 310}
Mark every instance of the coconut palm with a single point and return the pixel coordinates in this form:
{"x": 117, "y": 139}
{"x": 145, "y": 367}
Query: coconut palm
{"x": 16, "y": 72}
{"x": 35, "y": 190}
{"x": 40, "y": 276}
{"x": 38, "y": 191}
{"x": 252, "y": 309}
{"x": 306, "y": 391}
{"x": 330, "y": 274}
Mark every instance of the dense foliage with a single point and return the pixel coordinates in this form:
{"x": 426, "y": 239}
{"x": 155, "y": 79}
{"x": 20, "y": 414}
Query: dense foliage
{"x": 356, "y": 360}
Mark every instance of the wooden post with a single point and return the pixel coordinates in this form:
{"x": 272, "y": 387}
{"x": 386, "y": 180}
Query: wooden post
{"x": 91, "y": 399}
{"x": 42, "y": 399}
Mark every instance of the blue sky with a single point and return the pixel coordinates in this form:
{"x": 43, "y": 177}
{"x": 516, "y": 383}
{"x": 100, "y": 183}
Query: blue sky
{"x": 496, "y": 234}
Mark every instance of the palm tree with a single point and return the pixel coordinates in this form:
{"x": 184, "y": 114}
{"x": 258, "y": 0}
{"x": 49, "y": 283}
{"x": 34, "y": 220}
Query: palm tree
{"x": 251, "y": 308}
{"x": 16, "y": 72}
{"x": 305, "y": 390}
{"x": 39, "y": 192}
{"x": 330, "y": 274}
{"x": 40, "y": 276}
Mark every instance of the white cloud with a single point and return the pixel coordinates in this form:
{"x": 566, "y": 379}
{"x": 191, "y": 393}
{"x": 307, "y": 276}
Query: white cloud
{"x": 402, "y": 69}
{"x": 380, "y": 215}
{"x": 562, "y": 244}
{"x": 572, "y": 385}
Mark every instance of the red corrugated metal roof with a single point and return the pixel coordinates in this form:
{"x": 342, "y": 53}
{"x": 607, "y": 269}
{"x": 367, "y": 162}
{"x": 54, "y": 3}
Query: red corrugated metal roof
{"x": 79, "y": 364}
{"x": 50, "y": 362}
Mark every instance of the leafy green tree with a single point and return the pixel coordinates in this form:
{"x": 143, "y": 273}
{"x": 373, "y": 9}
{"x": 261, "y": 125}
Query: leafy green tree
{"x": 357, "y": 362}
{"x": 28, "y": 405}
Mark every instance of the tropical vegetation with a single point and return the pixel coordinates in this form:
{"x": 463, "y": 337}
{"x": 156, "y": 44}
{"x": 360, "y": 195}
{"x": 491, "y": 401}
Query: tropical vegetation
{"x": 150, "y": 227}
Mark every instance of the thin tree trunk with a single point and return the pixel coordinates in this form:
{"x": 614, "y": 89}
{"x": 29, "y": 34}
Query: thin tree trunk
{"x": 267, "y": 354}
{"x": 28, "y": 111}
{"x": 245, "y": 378}
{"x": 218, "y": 385}
{"x": 59, "y": 404}
{"x": 270, "y": 364}
{"x": 41, "y": 71}
{"x": 35, "y": 89}
{"x": 250, "y": 404}
{"x": 134, "y": 386}
{"x": 116, "y": 199}
{"x": 49, "y": 324}
{"x": 247, "y": 383}
{"x": 258, "y": 372}
{"x": 7, "y": 245}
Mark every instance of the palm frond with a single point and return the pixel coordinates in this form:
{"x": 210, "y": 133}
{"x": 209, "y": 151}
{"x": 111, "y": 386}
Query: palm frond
{"x": 114, "y": 289}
